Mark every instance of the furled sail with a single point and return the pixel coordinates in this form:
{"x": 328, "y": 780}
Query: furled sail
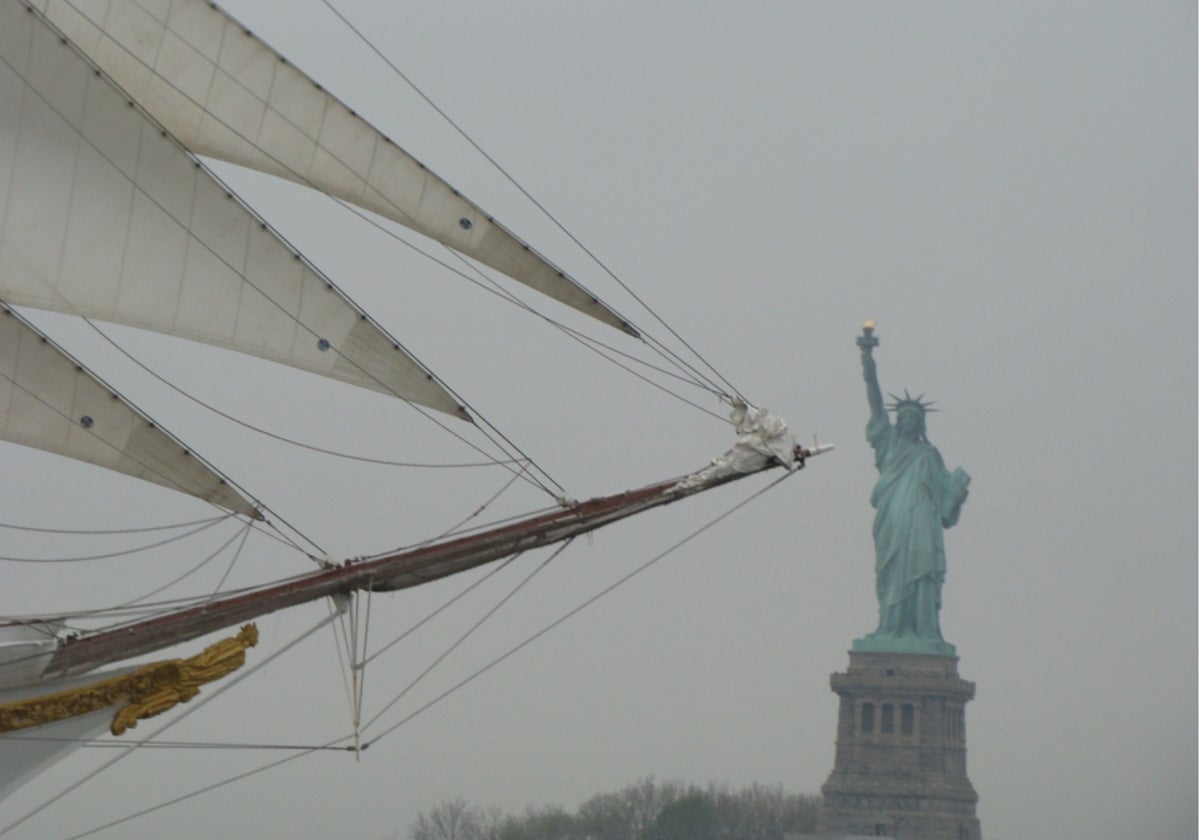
{"x": 49, "y": 401}
{"x": 225, "y": 94}
{"x": 104, "y": 214}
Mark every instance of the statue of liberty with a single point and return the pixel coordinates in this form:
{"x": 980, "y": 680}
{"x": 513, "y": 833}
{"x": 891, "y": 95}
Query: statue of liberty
{"x": 915, "y": 498}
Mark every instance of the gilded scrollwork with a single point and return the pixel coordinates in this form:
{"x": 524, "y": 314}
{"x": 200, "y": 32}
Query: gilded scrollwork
{"x": 148, "y": 691}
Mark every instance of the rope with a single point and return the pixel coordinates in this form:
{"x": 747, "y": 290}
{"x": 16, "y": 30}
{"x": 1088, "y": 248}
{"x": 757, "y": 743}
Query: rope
{"x": 545, "y": 212}
{"x": 439, "y": 610}
{"x": 467, "y": 634}
{"x": 243, "y": 532}
{"x": 456, "y": 526}
{"x": 220, "y": 258}
{"x": 201, "y": 791}
{"x": 504, "y": 441}
{"x": 95, "y": 743}
{"x": 266, "y": 433}
{"x": 329, "y": 744}
{"x": 486, "y": 284}
{"x": 92, "y": 532}
{"x": 110, "y": 555}
{"x": 233, "y": 560}
{"x": 573, "y": 612}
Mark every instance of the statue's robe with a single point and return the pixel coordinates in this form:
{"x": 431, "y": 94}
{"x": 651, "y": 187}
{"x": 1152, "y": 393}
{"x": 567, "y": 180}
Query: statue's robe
{"x": 914, "y": 499}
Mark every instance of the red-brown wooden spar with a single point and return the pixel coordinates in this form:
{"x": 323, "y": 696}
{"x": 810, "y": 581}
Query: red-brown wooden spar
{"x": 390, "y": 572}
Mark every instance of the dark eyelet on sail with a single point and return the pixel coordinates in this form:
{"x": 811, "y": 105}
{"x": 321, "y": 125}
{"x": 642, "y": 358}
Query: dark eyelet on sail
{"x": 465, "y": 224}
{"x": 323, "y": 345}
{"x": 86, "y": 421}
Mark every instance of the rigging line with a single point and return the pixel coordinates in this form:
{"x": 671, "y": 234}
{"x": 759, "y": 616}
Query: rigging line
{"x": 697, "y": 380}
{"x": 462, "y": 133}
{"x": 348, "y": 624}
{"x": 483, "y": 579}
{"x": 113, "y": 610}
{"x": 9, "y": 311}
{"x": 192, "y": 708}
{"x": 586, "y": 341}
{"x": 486, "y": 283}
{"x": 666, "y": 351}
{"x": 146, "y": 418}
{"x": 93, "y": 743}
{"x": 600, "y": 348}
{"x": 163, "y": 479}
{"x": 498, "y": 439}
{"x": 304, "y": 179}
{"x": 470, "y": 630}
{"x": 360, "y": 674}
{"x": 492, "y": 461}
{"x": 259, "y": 430}
{"x": 283, "y": 539}
{"x": 155, "y": 606}
{"x": 489, "y": 285}
{"x": 576, "y": 610}
{"x": 99, "y": 532}
{"x": 454, "y": 528}
{"x": 244, "y": 531}
{"x": 329, "y": 283}
{"x": 251, "y": 283}
{"x": 613, "y": 351}
{"x": 169, "y": 482}
{"x": 339, "y": 632}
{"x": 236, "y": 555}
{"x": 414, "y": 714}
{"x": 117, "y": 609}
{"x": 167, "y": 605}
{"x": 239, "y": 777}
{"x": 148, "y": 610}
{"x": 481, "y": 527}
{"x": 280, "y": 537}
{"x": 110, "y": 555}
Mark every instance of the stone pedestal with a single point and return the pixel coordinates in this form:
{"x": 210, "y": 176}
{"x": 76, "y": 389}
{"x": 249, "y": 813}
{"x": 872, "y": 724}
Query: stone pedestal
{"x": 901, "y": 764}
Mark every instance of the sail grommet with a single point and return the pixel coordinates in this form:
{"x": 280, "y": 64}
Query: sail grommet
{"x": 86, "y": 421}
{"x": 323, "y": 344}
{"x": 465, "y": 223}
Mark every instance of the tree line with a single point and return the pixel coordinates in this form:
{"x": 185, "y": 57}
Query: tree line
{"x": 645, "y": 810}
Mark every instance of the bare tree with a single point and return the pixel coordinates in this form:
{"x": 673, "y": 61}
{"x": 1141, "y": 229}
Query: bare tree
{"x": 624, "y": 815}
{"x": 645, "y": 810}
{"x": 454, "y": 820}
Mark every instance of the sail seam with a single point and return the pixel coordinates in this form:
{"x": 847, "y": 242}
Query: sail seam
{"x": 507, "y": 445}
{"x": 184, "y": 222}
{"x": 199, "y": 166}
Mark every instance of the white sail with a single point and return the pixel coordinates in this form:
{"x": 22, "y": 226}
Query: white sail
{"x": 49, "y": 401}
{"x": 104, "y": 214}
{"x": 226, "y": 94}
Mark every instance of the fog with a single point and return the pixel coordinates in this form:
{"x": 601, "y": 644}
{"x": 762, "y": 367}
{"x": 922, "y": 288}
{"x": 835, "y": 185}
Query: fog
{"x": 1009, "y": 188}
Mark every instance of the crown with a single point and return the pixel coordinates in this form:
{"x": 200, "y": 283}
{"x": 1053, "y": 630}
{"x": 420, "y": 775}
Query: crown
{"x": 909, "y": 401}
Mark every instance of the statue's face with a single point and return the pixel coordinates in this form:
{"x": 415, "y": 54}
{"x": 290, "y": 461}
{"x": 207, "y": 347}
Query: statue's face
{"x": 910, "y": 421}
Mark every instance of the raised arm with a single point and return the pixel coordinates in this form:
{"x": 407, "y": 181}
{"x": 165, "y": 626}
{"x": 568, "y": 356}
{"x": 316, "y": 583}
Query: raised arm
{"x": 868, "y": 342}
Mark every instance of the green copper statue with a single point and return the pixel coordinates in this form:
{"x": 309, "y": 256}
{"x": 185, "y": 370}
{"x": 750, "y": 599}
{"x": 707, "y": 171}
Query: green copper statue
{"x": 914, "y": 499}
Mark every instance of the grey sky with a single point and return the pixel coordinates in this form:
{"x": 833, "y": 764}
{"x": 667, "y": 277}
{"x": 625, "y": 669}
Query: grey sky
{"x": 1010, "y": 188}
